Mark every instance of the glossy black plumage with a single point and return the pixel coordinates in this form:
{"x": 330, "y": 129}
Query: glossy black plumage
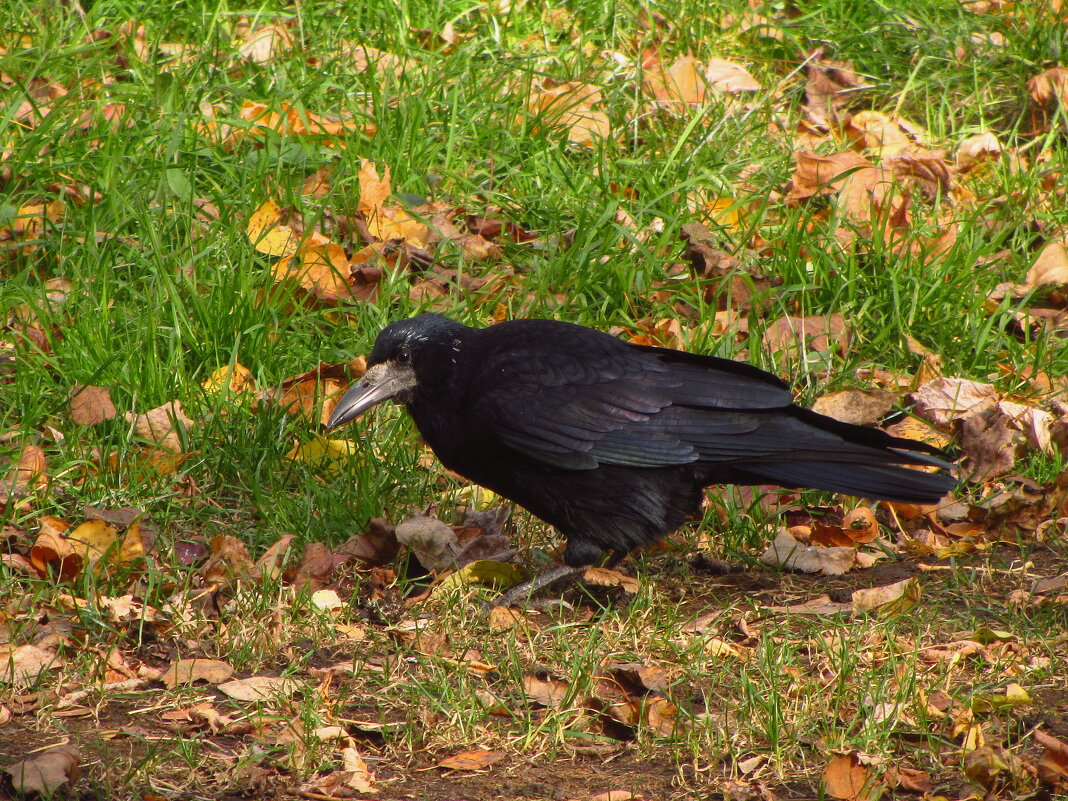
{"x": 610, "y": 442}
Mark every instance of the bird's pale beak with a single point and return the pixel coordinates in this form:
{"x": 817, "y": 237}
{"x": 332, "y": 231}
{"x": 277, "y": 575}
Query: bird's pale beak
{"x": 381, "y": 382}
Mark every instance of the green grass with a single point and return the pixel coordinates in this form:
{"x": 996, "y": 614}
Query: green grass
{"x": 161, "y": 295}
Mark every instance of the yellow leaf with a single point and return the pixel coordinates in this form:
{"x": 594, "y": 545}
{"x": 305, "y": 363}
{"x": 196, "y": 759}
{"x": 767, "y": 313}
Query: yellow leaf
{"x": 232, "y": 379}
{"x": 325, "y": 455}
{"x": 500, "y": 575}
{"x": 267, "y": 233}
{"x": 92, "y": 539}
{"x": 724, "y": 212}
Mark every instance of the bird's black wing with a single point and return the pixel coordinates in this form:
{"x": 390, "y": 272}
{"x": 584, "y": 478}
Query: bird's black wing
{"x": 600, "y": 401}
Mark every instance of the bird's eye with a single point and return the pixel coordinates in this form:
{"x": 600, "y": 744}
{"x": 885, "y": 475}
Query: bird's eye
{"x": 404, "y": 356}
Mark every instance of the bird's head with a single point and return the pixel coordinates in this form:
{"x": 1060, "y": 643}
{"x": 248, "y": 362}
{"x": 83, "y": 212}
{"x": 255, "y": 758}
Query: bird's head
{"x": 405, "y": 354}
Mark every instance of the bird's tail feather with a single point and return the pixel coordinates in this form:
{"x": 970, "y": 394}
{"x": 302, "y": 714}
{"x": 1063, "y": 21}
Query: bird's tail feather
{"x": 887, "y": 482}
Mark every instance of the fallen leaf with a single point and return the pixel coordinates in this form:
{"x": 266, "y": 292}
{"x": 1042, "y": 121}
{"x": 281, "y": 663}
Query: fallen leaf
{"x": 90, "y": 406}
{"x": 1050, "y": 267}
{"x": 986, "y": 765}
{"x": 28, "y": 474}
{"x": 830, "y": 87}
{"x": 570, "y": 107}
{"x": 330, "y": 457}
{"x": 229, "y": 562}
{"x": 500, "y": 575}
{"x": 258, "y": 688}
{"x": 944, "y": 400}
{"x": 188, "y": 671}
{"x": 1053, "y": 766}
{"x": 976, "y": 150}
{"x": 857, "y": 406}
{"x": 890, "y": 599}
{"x": 22, "y": 665}
{"x": 729, "y": 76}
{"x": 374, "y": 188}
{"x": 880, "y": 134}
{"x": 359, "y": 778}
{"x": 232, "y": 379}
{"x": 46, "y": 771}
{"x": 434, "y": 543}
{"x": 268, "y": 234}
{"x": 786, "y": 552}
{"x": 816, "y": 174}
{"x": 265, "y": 44}
{"x": 376, "y": 546}
{"x": 847, "y": 778}
{"x": 478, "y": 759}
{"x": 162, "y": 425}
{"x": 270, "y": 564}
{"x": 606, "y": 577}
{"x": 546, "y": 691}
{"x": 993, "y": 438}
{"x": 661, "y": 716}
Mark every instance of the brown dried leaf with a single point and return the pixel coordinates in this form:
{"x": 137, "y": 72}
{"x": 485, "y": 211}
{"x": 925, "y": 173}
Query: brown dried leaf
{"x": 606, "y": 577}
{"x": 911, "y": 780}
{"x": 816, "y": 175}
{"x": 679, "y": 84}
{"x": 229, "y": 561}
{"x": 376, "y": 546}
{"x": 270, "y": 564}
{"x": 847, "y": 778}
{"x": 785, "y": 551}
{"x": 546, "y": 691}
{"x": 434, "y": 543}
{"x": 188, "y": 671}
{"x": 477, "y": 759}
{"x": 978, "y": 149}
{"x": 944, "y": 400}
{"x": 829, "y": 88}
{"x": 1053, "y": 766}
{"x": 52, "y": 550}
{"x": 860, "y": 525}
{"x": 1050, "y": 87}
{"x": 22, "y": 665}
{"x": 161, "y": 425}
{"x": 259, "y": 688}
{"x": 661, "y": 716}
{"x": 995, "y": 436}
{"x": 90, "y": 405}
{"x": 265, "y": 44}
{"x": 729, "y": 76}
{"x": 46, "y": 771}
{"x": 570, "y": 106}
{"x": 890, "y": 599}
{"x": 317, "y": 565}
{"x": 799, "y": 335}
{"x": 857, "y": 406}
{"x": 880, "y": 134}
{"x": 1050, "y": 268}
{"x": 29, "y": 474}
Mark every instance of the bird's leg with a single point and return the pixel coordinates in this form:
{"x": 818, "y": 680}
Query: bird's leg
{"x": 558, "y": 575}
{"x": 535, "y": 585}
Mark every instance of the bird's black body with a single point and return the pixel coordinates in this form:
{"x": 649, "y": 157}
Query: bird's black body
{"x": 610, "y": 442}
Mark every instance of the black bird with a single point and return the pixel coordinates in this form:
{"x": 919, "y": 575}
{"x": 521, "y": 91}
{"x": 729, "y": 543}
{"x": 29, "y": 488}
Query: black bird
{"x": 611, "y": 442}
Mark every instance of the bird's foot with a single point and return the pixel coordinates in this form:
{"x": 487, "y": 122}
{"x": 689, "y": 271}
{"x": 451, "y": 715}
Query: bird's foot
{"x": 528, "y": 589}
